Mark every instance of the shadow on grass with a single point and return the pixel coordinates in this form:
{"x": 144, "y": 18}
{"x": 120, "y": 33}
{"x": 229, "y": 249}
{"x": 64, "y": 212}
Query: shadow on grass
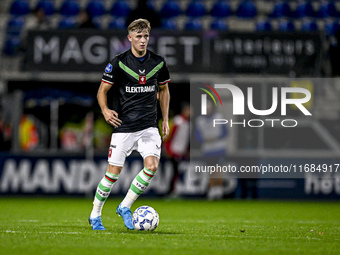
{"x": 113, "y": 230}
{"x": 138, "y": 232}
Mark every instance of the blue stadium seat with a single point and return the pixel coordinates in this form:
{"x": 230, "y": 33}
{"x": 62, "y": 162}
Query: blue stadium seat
{"x": 327, "y": 9}
{"x": 286, "y": 26}
{"x": 47, "y": 5}
{"x": 15, "y": 25}
{"x": 193, "y": 24}
{"x": 246, "y": 9}
{"x": 151, "y": 4}
{"x": 169, "y": 24}
{"x": 12, "y": 45}
{"x": 97, "y": 22}
{"x": 196, "y": 9}
{"x": 221, "y": 9}
{"x": 331, "y": 27}
{"x": 19, "y": 7}
{"x": 117, "y": 23}
{"x": 70, "y": 8}
{"x": 309, "y": 25}
{"x": 95, "y": 8}
{"x": 281, "y": 9}
{"x": 67, "y": 22}
{"x": 170, "y": 9}
{"x": 263, "y": 25}
{"x": 121, "y": 8}
{"x": 304, "y": 9}
{"x": 219, "y": 24}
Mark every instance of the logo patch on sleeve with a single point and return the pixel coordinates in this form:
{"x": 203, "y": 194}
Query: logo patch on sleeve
{"x": 108, "y": 68}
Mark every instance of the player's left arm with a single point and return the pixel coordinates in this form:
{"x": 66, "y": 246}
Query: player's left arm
{"x": 164, "y": 100}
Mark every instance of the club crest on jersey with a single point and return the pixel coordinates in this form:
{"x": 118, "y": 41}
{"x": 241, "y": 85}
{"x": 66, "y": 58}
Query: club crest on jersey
{"x": 142, "y": 78}
{"x": 108, "y": 68}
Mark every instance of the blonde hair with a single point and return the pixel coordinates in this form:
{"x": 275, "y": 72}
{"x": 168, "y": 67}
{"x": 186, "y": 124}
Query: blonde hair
{"x": 139, "y": 25}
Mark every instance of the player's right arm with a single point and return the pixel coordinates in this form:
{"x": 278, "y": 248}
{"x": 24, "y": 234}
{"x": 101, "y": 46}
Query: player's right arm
{"x": 110, "y": 116}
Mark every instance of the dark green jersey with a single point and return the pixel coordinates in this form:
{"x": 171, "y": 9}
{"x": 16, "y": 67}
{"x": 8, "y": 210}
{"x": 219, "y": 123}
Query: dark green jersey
{"x": 135, "y": 84}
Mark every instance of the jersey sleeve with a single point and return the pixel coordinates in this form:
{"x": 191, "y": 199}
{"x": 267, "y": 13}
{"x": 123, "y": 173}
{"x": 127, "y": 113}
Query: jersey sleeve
{"x": 164, "y": 76}
{"x": 109, "y": 73}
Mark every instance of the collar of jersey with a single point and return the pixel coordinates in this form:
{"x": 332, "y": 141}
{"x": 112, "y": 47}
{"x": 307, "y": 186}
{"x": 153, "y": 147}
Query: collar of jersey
{"x": 135, "y": 75}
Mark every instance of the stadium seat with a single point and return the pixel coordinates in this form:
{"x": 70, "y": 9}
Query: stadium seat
{"x": 327, "y": 9}
{"x": 97, "y": 22}
{"x": 151, "y": 4}
{"x": 331, "y": 27}
{"x": 281, "y": 9}
{"x": 309, "y": 26}
{"x": 221, "y": 9}
{"x": 47, "y": 6}
{"x": 263, "y": 25}
{"x": 117, "y": 23}
{"x": 219, "y": 24}
{"x": 246, "y": 9}
{"x": 196, "y": 9}
{"x": 70, "y": 8}
{"x": 12, "y": 45}
{"x": 15, "y": 25}
{"x": 286, "y": 26}
{"x": 120, "y": 8}
{"x": 169, "y": 24}
{"x": 19, "y": 7}
{"x": 170, "y": 9}
{"x": 304, "y": 9}
{"x": 67, "y": 22}
{"x": 193, "y": 24}
{"x": 95, "y": 8}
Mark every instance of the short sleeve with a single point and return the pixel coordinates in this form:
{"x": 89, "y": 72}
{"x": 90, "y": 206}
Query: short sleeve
{"x": 164, "y": 76}
{"x": 109, "y": 73}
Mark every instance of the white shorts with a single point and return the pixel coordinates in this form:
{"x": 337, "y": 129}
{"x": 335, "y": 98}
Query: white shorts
{"x": 147, "y": 142}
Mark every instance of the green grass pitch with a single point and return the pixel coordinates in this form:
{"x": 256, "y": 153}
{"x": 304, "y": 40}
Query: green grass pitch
{"x": 59, "y": 226}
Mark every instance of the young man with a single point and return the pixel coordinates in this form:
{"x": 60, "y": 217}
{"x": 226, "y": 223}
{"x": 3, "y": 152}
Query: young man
{"x": 135, "y": 76}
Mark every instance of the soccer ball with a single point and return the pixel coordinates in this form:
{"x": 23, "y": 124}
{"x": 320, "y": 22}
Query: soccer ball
{"x": 145, "y": 218}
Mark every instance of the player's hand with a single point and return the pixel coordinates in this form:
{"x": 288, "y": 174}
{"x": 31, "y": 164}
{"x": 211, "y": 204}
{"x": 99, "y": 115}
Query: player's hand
{"x": 165, "y": 129}
{"x": 111, "y": 117}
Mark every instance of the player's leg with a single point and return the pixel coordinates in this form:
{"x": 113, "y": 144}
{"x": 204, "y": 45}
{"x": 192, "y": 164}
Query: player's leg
{"x": 215, "y": 191}
{"x": 119, "y": 148}
{"x": 102, "y": 193}
{"x": 149, "y": 146}
{"x": 141, "y": 181}
{"x": 138, "y": 185}
{"x": 104, "y": 189}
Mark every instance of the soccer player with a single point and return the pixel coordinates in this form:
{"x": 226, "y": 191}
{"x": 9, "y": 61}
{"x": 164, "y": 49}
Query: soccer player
{"x": 135, "y": 76}
{"x": 213, "y": 147}
{"x": 177, "y": 144}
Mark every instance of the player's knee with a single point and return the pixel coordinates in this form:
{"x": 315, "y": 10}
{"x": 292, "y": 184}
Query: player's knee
{"x": 114, "y": 169}
{"x": 151, "y": 166}
{"x": 151, "y": 163}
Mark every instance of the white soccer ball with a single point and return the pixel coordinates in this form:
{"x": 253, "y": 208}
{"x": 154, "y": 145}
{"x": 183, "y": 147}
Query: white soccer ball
{"x": 145, "y": 218}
